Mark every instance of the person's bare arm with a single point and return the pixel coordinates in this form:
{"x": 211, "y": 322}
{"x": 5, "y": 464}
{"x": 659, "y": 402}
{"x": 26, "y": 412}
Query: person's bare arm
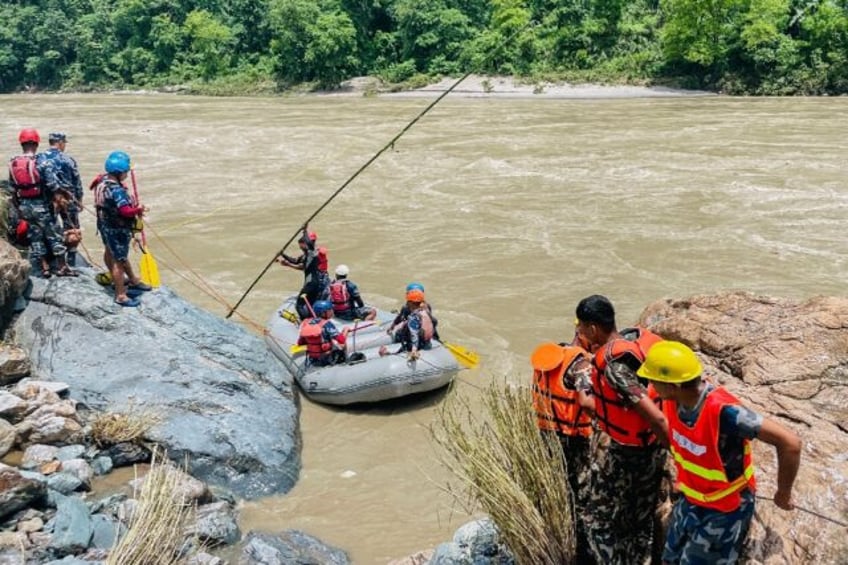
{"x": 655, "y": 418}
{"x": 788, "y": 446}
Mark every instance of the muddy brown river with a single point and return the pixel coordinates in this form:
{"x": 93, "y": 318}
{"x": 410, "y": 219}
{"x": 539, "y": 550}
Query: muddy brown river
{"x": 509, "y": 211}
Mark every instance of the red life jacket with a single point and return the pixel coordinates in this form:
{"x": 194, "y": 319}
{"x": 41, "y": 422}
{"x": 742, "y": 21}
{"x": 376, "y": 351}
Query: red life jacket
{"x": 323, "y": 261}
{"x": 24, "y": 174}
{"x": 700, "y": 471}
{"x": 621, "y": 422}
{"x": 312, "y": 332}
{"x": 340, "y": 296}
{"x": 556, "y": 405}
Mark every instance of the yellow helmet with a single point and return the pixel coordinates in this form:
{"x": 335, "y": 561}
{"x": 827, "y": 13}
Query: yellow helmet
{"x": 670, "y": 362}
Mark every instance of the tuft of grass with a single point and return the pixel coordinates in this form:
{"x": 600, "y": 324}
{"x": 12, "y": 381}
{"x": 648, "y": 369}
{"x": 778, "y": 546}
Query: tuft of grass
{"x": 509, "y": 470}
{"x": 155, "y": 532}
{"x": 110, "y": 428}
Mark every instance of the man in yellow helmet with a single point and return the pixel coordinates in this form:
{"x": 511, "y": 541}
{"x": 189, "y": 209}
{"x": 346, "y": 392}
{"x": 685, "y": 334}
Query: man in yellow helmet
{"x": 710, "y": 440}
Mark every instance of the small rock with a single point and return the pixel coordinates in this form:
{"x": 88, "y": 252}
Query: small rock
{"x": 215, "y": 524}
{"x": 17, "y": 491}
{"x": 106, "y": 531}
{"x": 80, "y": 469}
{"x": 73, "y": 527}
{"x": 32, "y": 525}
{"x": 12, "y": 408}
{"x": 29, "y": 385}
{"x": 14, "y": 364}
{"x": 37, "y": 454}
{"x": 101, "y": 465}
{"x": 70, "y": 452}
{"x": 8, "y": 436}
{"x": 204, "y": 558}
{"x": 14, "y": 539}
{"x": 54, "y": 429}
{"x": 63, "y": 482}
{"x": 50, "y": 467}
{"x": 123, "y": 454}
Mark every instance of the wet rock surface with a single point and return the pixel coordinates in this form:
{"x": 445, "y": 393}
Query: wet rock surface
{"x": 224, "y": 402}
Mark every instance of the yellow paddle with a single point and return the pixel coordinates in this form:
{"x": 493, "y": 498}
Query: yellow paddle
{"x": 149, "y": 270}
{"x": 466, "y": 357}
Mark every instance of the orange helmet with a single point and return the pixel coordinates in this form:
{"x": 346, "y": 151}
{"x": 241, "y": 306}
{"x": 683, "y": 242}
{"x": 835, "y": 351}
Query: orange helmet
{"x": 29, "y": 135}
{"x": 415, "y": 295}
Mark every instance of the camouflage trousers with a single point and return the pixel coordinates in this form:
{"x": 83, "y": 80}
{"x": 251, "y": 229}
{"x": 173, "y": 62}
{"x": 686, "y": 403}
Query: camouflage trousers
{"x": 701, "y": 536}
{"x": 576, "y": 451}
{"x": 43, "y": 233}
{"x": 624, "y": 494}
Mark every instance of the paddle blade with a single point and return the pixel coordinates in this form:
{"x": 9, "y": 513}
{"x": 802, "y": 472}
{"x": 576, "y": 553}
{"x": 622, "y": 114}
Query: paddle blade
{"x": 149, "y": 270}
{"x": 295, "y": 349}
{"x": 466, "y": 357}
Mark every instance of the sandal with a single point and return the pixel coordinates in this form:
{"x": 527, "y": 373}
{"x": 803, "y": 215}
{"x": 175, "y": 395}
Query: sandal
{"x": 134, "y": 292}
{"x": 141, "y": 286}
{"x": 129, "y": 302}
{"x": 66, "y": 271}
{"x": 46, "y": 274}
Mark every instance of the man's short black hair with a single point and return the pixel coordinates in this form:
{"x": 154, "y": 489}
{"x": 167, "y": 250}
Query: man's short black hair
{"x": 597, "y": 309}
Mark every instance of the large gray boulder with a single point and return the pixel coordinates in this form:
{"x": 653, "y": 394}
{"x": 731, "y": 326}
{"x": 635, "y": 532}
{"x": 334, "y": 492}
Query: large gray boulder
{"x": 224, "y": 402}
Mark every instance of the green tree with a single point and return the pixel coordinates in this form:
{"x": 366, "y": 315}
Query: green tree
{"x": 290, "y": 21}
{"x": 331, "y": 49}
{"x": 702, "y": 32}
{"x": 210, "y": 43}
{"x": 430, "y": 28}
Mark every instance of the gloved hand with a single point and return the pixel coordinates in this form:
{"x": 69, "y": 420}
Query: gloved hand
{"x": 414, "y": 355}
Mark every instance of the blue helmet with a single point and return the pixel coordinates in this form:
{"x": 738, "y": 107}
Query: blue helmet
{"x": 415, "y": 286}
{"x": 117, "y": 162}
{"x": 322, "y": 306}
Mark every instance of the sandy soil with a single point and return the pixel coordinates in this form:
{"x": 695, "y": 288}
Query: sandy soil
{"x": 477, "y": 86}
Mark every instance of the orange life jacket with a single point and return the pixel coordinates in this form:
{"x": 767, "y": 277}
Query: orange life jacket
{"x": 312, "y": 332}
{"x": 24, "y": 174}
{"x": 700, "y": 472}
{"x": 623, "y": 424}
{"x": 555, "y": 402}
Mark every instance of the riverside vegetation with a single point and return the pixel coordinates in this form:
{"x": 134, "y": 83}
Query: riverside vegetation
{"x": 264, "y": 46}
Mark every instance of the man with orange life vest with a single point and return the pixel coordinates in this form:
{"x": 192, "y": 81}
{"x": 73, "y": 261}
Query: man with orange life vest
{"x": 417, "y": 330}
{"x": 711, "y": 435}
{"x": 625, "y": 481}
{"x": 34, "y": 206}
{"x": 310, "y": 262}
{"x": 325, "y": 345}
{"x": 347, "y": 302}
{"x": 556, "y": 370}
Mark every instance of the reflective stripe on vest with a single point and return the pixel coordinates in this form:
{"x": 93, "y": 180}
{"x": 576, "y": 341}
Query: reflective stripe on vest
{"x": 700, "y": 471}
{"x": 313, "y": 334}
{"x": 556, "y": 406}
{"x": 623, "y": 423}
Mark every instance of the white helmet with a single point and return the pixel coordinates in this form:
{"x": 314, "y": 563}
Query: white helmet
{"x": 342, "y": 271}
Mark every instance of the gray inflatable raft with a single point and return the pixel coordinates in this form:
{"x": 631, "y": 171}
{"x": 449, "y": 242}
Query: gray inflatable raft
{"x": 371, "y": 378}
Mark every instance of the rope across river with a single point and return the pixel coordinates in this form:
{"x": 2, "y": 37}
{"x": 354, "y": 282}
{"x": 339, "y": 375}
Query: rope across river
{"x": 368, "y": 163}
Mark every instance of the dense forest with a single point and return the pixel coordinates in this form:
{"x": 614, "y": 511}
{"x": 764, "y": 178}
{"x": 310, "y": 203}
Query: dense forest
{"x": 248, "y": 46}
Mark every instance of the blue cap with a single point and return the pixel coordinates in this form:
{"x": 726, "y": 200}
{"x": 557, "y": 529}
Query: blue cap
{"x": 415, "y": 286}
{"x": 56, "y": 137}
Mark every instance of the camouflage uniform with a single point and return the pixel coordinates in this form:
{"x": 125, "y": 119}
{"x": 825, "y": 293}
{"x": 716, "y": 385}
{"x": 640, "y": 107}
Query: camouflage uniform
{"x": 578, "y": 453}
{"x": 43, "y": 234}
{"x": 624, "y": 488}
{"x": 61, "y": 174}
{"x": 698, "y": 535}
